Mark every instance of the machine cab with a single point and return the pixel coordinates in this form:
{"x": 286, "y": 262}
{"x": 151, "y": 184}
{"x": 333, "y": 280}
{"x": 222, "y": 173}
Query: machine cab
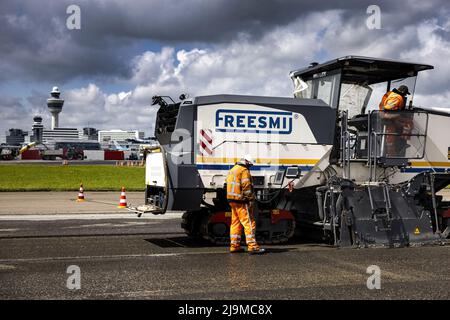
{"x": 354, "y": 86}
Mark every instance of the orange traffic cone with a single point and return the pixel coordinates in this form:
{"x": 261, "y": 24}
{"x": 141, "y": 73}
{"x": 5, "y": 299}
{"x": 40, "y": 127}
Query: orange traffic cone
{"x": 123, "y": 199}
{"x": 81, "y": 194}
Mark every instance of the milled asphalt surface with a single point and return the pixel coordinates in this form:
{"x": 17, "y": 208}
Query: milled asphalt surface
{"x": 125, "y": 257}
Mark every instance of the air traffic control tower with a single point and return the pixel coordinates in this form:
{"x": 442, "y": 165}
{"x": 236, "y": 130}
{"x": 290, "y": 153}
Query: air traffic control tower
{"x": 55, "y": 104}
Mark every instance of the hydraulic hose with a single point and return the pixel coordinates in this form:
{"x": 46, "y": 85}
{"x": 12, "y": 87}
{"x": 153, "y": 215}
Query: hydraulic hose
{"x": 275, "y": 193}
{"x": 320, "y": 200}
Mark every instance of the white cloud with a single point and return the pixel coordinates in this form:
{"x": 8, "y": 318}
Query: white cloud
{"x": 259, "y": 67}
{"x": 433, "y": 49}
{"x": 242, "y": 67}
{"x": 91, "y": 106}
{"x": 256, "y": 67}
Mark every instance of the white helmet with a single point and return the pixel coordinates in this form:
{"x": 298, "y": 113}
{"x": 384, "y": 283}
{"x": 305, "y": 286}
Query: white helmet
{"x": 248, "y": 158}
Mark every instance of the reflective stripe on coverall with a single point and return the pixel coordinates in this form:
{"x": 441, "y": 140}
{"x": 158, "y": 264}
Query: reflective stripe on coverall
{"x": 240, "y": 195}
{"x": 242, "y": 215}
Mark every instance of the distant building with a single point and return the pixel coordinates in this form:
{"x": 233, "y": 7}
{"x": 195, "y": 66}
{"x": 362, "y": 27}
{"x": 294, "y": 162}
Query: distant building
{"x": 118, "y": 135}
{"x": 84, "y": 145}
{"x": 90, "y": 133}
{"x": 55, "y": 105}
{"x": 37, "y": 129}
{"x": 16, "y": 137}
{"x": 61, "y": 134}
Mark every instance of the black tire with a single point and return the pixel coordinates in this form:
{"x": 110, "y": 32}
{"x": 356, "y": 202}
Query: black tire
{"x": 191, "y": 221}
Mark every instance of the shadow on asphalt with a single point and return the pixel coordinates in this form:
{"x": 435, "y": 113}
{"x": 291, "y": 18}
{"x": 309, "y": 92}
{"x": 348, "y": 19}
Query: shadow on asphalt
{"x": 276, "y": 250}
{"x": 181, "y": 242}
{"x": 187, "y": 242}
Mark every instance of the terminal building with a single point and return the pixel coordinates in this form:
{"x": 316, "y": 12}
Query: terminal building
{"x": 57, "y": 136}
{"x": 61, "y": 134}
{"x": 105, "y": 136}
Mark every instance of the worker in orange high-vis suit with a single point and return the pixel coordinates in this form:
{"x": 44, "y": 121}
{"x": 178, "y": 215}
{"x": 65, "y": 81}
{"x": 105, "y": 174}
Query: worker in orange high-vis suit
{"x": 240, "y": 196}
{"x": 395, "y": 100}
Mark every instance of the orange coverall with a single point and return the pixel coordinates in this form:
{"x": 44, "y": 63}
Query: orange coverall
{"x": 240, "y": 196}
{"x": 392, "y": 101}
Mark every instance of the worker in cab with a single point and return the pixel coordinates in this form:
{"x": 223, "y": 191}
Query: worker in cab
{"x": 397, "y": 127}
{"x": 395, "y": 99}
{"x": 241, "y": 198}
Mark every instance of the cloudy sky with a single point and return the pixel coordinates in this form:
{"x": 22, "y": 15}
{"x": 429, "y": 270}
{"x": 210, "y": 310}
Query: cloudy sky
{"x": 129, "y": 50}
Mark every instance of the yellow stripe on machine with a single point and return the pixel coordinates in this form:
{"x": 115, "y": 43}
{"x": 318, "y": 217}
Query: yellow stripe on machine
{"x": 201, "y": 159}
{"x": 430, "y": 164}
{"x": 224, "y": 160}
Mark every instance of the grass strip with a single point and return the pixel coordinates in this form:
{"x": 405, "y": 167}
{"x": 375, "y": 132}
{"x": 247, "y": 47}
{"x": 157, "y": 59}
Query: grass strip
{"x": 68, "y": 178}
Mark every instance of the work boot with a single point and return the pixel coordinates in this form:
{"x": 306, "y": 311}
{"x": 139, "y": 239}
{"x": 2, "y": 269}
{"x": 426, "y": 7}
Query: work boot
{"x": 257, "y": 251}
{"x": 238, "y": 250}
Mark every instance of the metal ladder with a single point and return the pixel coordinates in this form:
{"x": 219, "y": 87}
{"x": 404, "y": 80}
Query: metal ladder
{"x": 374, "y": 205}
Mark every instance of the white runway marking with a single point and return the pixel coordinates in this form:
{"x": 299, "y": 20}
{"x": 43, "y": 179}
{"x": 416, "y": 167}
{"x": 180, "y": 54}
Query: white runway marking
{"x": 113, "y": 225}
{"x": 6, "y": 267}
{"x": 123, "y": 256}
{"x": 84, "y": 216}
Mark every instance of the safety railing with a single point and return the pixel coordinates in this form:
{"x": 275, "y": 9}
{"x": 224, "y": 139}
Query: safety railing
{"x": 395, "y": 135}
{"x": 345, "y": 146}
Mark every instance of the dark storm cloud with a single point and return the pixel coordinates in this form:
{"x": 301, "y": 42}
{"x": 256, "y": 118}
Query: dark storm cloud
{"x": 221, "y": 20}
{"x": 36, "y": 45}
{"x": 12, "y": 111}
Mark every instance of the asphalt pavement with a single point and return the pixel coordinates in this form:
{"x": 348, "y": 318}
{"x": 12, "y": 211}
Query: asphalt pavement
{"x": 121, "y": 256}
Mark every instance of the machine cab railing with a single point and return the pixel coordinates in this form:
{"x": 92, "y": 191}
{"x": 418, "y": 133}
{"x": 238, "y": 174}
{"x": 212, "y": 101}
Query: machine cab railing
{"x": 398, "y": 134}
{"x": 395, "y": 137}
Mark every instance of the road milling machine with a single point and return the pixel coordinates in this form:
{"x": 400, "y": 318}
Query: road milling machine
{"x": 329, "y": 164}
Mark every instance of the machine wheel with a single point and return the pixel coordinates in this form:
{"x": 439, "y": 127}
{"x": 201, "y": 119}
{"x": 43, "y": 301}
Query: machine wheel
{"x": 277, "y": 233}
{"x": 215, "y": 227}
{"x": 191, "y": 221}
